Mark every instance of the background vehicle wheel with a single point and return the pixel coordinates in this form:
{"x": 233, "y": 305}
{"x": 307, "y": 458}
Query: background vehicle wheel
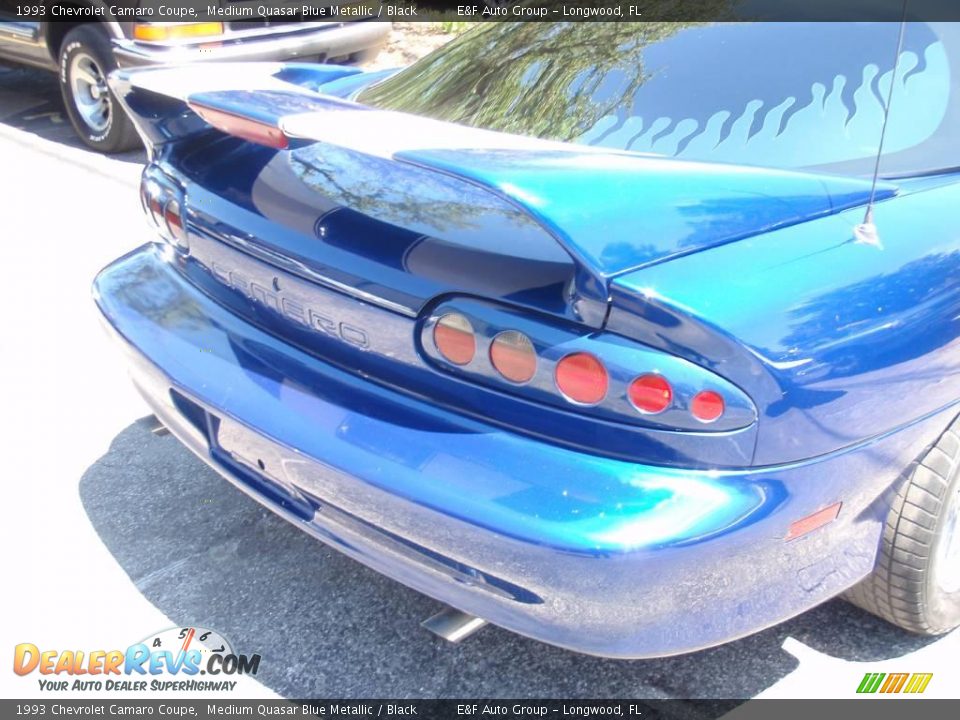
{"x": 85, "y": 61}
{"x": 916, "y": 583}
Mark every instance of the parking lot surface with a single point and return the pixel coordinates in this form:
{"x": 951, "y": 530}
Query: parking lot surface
{"x": 113, "y": 533}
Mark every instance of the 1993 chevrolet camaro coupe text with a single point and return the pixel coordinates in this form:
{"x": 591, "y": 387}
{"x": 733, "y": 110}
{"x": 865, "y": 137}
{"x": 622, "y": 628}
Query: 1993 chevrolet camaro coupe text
{"x": 585, "y": 330}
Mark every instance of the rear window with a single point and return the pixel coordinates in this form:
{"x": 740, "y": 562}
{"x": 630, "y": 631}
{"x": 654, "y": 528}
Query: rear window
{"x": 792, "y": 95}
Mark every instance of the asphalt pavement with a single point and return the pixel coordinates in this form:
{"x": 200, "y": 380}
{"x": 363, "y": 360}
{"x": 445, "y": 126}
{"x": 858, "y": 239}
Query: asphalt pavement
{"x": 111, "y": 533}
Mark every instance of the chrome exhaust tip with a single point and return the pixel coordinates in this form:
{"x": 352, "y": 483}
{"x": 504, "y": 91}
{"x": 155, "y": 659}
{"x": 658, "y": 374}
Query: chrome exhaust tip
{"x": 153, "y": 424}
{"x": 452, "y": 624}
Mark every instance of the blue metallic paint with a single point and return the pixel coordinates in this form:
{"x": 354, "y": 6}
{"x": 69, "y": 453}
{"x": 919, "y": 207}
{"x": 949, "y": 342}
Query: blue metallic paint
{"x": 304, "y": 314}
{"x": 591, "y": 531}
{"x": 614, "y": 558}
{"x": 835, "y": 341}
{"x": 653, "y": 208}
{"x": 322, "y": 208}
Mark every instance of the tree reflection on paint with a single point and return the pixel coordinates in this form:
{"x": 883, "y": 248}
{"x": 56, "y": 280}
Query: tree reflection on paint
{"x": 539, "y": 79}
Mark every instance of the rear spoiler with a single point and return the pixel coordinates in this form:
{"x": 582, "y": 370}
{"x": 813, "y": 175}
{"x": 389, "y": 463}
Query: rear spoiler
{"x": 613, "y": 212}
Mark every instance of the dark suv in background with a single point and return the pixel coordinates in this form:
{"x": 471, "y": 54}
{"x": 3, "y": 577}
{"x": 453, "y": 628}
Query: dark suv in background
{"x": 84, "y": 53}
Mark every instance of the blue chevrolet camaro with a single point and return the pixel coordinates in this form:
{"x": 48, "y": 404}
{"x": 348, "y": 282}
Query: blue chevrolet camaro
{"x": 628, "y": 338}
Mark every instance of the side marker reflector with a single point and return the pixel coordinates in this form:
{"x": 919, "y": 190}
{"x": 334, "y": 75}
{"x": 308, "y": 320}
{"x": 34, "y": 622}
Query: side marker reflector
{"x": 162, "y": 32}
{"x": 812, "y": 522}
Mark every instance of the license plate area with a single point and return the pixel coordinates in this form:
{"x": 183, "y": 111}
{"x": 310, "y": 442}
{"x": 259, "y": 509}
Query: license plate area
{"x": 258, "y": 461}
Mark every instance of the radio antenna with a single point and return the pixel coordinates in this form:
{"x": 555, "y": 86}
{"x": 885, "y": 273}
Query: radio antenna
{"x": 866, "y": 232}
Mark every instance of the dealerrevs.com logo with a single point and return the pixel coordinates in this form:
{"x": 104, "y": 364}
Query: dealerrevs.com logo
{"x": 169, "y": 660}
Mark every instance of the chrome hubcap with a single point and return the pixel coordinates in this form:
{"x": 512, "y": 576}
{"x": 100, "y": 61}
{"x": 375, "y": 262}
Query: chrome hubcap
{"x": 948, "y": 552}
{"x": 90, "y": 93}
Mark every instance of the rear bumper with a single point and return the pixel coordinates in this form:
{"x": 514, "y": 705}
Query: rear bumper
{"x": 597, "y": 555}
{"x": 317, "y": 42}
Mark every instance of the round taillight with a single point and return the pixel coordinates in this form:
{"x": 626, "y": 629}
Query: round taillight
{"x": 513, "y": 356}
{"x": 150, "y": 197}
{"x": 156, "y": 213}
{"x": 454, "y": 338}
{"x": 707, "y": 406}
{"x": 650, "y": 394}
{"x": 174, "y": 222}
{"x": 582, "y": 378}
{"x": 145, "y": 199}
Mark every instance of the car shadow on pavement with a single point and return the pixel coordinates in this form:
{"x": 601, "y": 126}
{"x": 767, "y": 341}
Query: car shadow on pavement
{"x": 30, "y": 101}
{"x": 326, "y": 626}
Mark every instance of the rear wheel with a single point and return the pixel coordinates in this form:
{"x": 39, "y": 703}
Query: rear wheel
{"x": 916, "y": 583}
{"x": 85, "y": 61}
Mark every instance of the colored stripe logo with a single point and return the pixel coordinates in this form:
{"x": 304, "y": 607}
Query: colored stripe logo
{"x": 894, "y": 683}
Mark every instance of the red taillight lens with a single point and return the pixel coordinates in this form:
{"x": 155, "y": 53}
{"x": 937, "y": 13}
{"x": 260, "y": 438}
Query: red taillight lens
{"x": 650, "y": 394}
{"x": 454, "y": 338}
{"x": 243, "y": 127}
{"x": 174, "y": 222}
{"x": 150, "y": 197}
{"x": 513, "y": 356}
{"x": 582, "y": 378}
{"x": 707, "y": 406}
{"x": 145, "y": 199}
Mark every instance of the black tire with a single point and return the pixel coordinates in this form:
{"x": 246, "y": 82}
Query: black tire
{"x": 93, "y": 110}
{"x": 916, "y": 583}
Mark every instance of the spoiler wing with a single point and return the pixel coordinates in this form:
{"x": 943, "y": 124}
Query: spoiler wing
{"x": 613, "y": 212}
